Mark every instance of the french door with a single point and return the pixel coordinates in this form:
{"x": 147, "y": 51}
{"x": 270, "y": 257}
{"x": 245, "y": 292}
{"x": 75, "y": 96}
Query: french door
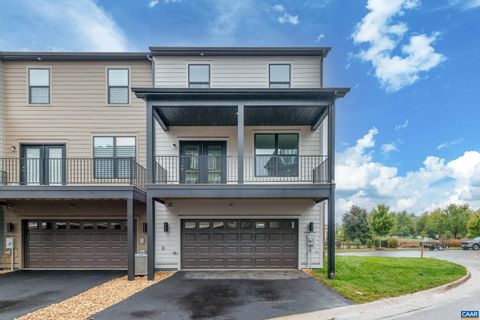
{"x": 42, "y": 164}
{"x": 203, "y": 162}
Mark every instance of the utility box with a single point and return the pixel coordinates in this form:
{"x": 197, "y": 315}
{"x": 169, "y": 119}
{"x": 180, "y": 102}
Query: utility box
{"x": 140, "y": 264}
{"x": 9, "y": 243}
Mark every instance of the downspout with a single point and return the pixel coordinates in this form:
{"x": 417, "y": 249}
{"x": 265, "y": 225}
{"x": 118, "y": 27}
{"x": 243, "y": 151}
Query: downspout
{"x": 152, "y": 60}
{"x": 321, "y": 72}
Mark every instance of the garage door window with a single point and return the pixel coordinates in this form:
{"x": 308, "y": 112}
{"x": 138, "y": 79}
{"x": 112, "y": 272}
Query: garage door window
{"x": 260, "y": 224}
{"x": 218, "y": 225}
{"x": 274, "y": 225}
{"x": 290, "y": 225}
{"x": 115, "y": 226}
{"x": 204, "y": 225}
{"x": 87, "y": 226}
{"x": 74, "y": 225}
{"x": 46, "y": 225}
{"x": 32, "y": 225}
{"x": 246, "y": 225}
{"x": 232, "y": 225}
{"x": 61, "y": 225}
{"x": 102, "y": 225}
{"x": 190, "y": 224}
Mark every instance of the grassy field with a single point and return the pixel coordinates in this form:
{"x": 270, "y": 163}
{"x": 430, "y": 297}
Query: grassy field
{"x": 364, "y": 279}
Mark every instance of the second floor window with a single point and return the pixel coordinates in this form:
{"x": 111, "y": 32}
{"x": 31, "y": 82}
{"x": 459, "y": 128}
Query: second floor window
{"x": 113, "y": 157}
{"x": 39, "y": 86}
{"x": 276, "y": 154}
{"x": 199, "y": 76}
{"x": 279, "y": 76}
{"x": 118, "y": 92}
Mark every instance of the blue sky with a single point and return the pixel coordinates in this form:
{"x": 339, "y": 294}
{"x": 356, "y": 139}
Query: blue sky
{"x": 408, "y": 131}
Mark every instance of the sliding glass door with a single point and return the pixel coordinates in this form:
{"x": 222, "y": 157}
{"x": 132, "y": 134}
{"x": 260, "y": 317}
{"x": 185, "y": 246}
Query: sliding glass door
{"x": 42, "y": 164}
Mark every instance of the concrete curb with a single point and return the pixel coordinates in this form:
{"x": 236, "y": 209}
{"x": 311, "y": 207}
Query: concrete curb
{"x": 388, "y": 307}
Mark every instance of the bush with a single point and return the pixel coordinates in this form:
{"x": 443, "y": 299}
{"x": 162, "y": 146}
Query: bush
{"x": 338, "y": 244}
{"x": 348, "y": 244}
{"x": 392, "y": 243}
{"x": 384, "y": 243}
{"x": 377, "y": 243}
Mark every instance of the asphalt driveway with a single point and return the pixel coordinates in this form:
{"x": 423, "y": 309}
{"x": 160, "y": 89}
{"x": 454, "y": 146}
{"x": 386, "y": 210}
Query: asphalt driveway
{"x": 22, "y": 292}
{"x": 227, "y": 295}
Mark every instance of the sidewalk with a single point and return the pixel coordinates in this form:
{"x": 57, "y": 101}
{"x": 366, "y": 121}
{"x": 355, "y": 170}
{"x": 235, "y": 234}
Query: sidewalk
{"x": 403, "y": 305}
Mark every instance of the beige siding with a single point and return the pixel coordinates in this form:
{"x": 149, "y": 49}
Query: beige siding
{"x": 237, "y": 72}
{"x": 168, "y": 245}
{"x": 80, "y": 209}
{"x": 78, "y": 109}
{"x": 2, "y": 112}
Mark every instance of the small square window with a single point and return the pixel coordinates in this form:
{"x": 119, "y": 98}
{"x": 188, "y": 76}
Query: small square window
{"x": 274, "y": 224}
{"x": 46, "y": 225}
{"x": 102, "y": 225}
{"x": 115, "y": 226}
{"x": 279, "y": 76}
{"x": 74, "y": 225}
{"x": 190, "y": 224}
{"x": 232, "y": 224}
{"x": 32, "y": 225}
{"x": 246, "y": 224}
{"x": 199, "y": 76}
{"x": 60, "y": 225}
{"x": 88, "y": 226}
{"x": 218, "y": 225}
{"x": 204, "y": 225}
{"x": 260, "y": 224}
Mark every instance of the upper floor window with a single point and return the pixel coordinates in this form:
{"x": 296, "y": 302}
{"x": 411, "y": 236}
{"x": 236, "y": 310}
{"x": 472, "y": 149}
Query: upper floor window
{"x": 39, "y": 86}
{"x": 113, "y": 156}
{"x": 118, "y": 92}
{"x": 276, "y": 154}
{"x": 279, "y": 76}
{"x": 199, "y": 76}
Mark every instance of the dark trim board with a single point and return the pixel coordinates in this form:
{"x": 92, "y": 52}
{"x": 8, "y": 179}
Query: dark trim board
{"x": 315, "y": 192}
{"x": 240, "y": 51}
{"x": 72, "y": 192}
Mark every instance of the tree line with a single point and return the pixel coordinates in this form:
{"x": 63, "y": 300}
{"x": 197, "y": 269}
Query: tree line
{"x": 454, "y": 221}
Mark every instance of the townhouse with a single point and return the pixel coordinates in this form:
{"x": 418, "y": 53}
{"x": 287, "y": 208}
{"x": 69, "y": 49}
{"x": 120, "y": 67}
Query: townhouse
{"x": 204, "y": 158}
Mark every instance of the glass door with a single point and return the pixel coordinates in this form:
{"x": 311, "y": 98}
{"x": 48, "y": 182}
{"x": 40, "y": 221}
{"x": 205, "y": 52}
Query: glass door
{"x": 202, "y": 162}
{"x": 42, "y": 164}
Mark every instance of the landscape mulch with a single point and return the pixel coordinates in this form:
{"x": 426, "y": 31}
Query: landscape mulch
{"x": 94, "y": 300}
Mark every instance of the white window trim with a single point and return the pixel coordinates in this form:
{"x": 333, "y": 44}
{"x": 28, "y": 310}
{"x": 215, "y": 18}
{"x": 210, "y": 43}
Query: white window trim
{"x": 50, "y": 76}
{"x": 107, "y": 102}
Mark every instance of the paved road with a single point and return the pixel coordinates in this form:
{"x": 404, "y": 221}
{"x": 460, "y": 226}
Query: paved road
{"x": 22, "y": 292}
{"x": 227, "y": 295}
{"x": 451, "y": 309}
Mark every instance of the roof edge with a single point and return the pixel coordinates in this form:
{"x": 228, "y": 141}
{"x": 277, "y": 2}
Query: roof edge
{"x": 240, "y": 51}
{"x": 73, "y": 56}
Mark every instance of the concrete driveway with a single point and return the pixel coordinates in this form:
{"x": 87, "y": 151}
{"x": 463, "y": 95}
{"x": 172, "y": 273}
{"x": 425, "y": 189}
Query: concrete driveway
{"x": 22, "y": 292}
{"x": 227, "y": 295}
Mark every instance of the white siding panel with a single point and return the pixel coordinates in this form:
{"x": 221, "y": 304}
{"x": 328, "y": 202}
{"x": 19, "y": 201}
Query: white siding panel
{"x": 237, "y": 72}
{"x": 168, "y": 244}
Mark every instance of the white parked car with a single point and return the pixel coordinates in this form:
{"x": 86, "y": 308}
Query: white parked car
{"x": 473, "y": 244}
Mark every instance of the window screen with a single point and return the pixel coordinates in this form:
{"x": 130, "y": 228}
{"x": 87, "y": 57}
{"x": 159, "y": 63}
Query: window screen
{"x": 118, "y": 86}
{"x": 113, "y": 156}
{"x": 199, "y": 76}
{"x": 279, "y": 76}
{"x": 39, "y": 86}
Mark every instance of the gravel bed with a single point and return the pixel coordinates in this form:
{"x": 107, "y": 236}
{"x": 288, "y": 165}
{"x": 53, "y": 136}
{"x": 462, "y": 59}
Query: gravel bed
{"x": 94, "y": 300}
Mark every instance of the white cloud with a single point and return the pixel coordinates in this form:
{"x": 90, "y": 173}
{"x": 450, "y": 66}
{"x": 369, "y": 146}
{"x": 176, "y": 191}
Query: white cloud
{"x": 402, "y": 126}
{"x": 383, "y": 37}
{"x": 365, "y": 182}
{"x": 449, "y": 144}
{"x": 286, "y": 17}
{"x": 83, "y": 22}
{"x": 465, "y": 4}
{"x": 320, "y": 37}
{"x": 471, "y": 4}
{"x": 152, "y": 3}
{"x": 389, "y": 147}
{"x": 228, "y": 16}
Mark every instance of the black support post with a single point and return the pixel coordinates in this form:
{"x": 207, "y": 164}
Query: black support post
{"x": 150, "y": 237}
{"x": 240, "y": 142}
{"x": 150, "y": 142}
{"x": 331, "y": 199}
{"x": 131, "y": 238}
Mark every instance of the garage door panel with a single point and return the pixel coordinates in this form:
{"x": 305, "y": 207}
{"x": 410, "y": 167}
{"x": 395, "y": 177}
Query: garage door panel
{"x": 239, "y": 244}
{"x": 87, "y": 247}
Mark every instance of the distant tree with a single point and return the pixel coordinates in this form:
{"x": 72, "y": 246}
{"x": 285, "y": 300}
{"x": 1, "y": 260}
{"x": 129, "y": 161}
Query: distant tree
{"x": 380, "y": 220}
{"x": 421, "y": 224}
{"x": 404, "y": 224}
{"x": 437, "y": 225}
{"x": 456, "y": 219}
{"x": 339, "y": 232}
{"x": 355, "y": 224}
{"x": 473, "y": 225}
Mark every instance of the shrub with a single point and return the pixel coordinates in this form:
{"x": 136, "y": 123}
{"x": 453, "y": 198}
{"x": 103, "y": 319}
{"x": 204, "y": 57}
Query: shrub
{"x": 392, "y": 243}
{"x": 356, "y": 244}
{"x": 349, "y": 244}
{"x": 369, "y": 243}
{"x": 377, "y": 243}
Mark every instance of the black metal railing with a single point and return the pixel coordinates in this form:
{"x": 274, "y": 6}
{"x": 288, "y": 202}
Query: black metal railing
{"x": 72, "y": 171}
{"x": 256, "y": 169}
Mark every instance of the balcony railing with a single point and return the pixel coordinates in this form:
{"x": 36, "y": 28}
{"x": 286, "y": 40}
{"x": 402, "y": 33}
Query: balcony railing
{"x": 72, "y": 171}
{"x": 256, "y": 169}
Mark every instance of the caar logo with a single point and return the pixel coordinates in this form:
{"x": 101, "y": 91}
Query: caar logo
{"x": 469, "y": 314}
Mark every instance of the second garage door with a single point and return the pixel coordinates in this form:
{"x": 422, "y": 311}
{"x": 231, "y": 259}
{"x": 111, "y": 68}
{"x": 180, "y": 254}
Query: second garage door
{"x": 63, "y": 244}
{"x": 240, "y": 244}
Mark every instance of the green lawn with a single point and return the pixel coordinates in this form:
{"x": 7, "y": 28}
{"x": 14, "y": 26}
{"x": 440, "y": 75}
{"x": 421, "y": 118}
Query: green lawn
{"x": 364, "y": 279}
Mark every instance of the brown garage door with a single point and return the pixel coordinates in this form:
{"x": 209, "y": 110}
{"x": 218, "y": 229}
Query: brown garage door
{"x": 237, "y": 244}
{"x": 98, "y": 244}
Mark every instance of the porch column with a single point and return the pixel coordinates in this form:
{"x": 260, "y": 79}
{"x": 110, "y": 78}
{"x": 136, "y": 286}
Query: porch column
{"x": 150, "y": 142}
{"x": 331, "y": 199}
{"x": 150, "y": 237}
{"x": 131, "y": 238}
{"x": 240, "y": 142}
